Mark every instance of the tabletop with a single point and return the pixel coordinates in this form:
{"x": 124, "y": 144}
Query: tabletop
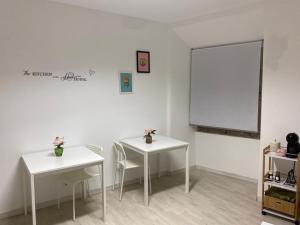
{"x": 159, "y": 143}
{"x": 46, "y": 161}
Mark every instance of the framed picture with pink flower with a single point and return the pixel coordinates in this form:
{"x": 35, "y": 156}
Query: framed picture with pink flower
{"x": 143, "y": 61}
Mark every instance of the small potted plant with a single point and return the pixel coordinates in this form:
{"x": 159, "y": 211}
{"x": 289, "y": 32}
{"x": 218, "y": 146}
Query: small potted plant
{"x": 58, "y": 142}
{"x": 148, "y": 136}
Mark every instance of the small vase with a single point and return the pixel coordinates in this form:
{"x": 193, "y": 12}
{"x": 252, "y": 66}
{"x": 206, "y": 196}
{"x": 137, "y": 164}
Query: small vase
{"x": 59, "y": 151}
{"x": 148, "y": 139}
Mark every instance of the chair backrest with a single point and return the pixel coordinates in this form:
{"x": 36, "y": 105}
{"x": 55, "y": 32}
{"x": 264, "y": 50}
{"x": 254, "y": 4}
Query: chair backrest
{"x": 93, "y": 170}
{"x": 120, "y": 152}
{"x": 95, "y": 148}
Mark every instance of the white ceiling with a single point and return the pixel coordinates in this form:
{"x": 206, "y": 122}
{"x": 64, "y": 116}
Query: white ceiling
{"x": 166, "y": 11}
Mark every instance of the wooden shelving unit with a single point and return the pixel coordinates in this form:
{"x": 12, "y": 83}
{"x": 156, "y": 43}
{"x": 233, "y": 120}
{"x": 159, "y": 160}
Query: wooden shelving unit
{"x": 274, "y": 206}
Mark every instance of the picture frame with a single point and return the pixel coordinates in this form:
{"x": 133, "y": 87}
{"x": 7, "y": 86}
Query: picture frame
{"x": 143, "y": 61}
{"x": 126, "y": 82}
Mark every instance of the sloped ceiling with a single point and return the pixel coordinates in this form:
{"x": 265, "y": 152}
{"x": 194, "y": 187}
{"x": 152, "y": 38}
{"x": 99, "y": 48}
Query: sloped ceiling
{"x": 165, "y": 11}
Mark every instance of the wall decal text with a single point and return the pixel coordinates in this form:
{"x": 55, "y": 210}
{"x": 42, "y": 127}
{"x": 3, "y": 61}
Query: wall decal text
{"x": 68, "y": 76}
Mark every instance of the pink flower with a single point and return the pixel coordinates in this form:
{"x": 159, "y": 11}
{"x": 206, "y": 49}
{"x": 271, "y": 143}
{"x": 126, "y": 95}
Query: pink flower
{"x": 58, "y": 141}
{"x": 149, "y": 131}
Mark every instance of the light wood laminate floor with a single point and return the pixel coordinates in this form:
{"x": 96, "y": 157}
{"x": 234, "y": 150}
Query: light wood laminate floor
{"x": 214, "y": 200}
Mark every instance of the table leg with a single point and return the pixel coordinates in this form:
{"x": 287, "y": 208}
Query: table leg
{"x": 146, "y": 201}
{"x": 158, "y": 165}
{"x": 74, "y": 201}
{"x": 170, "y": 164}
{"x": 83, "y": 189}
{"x": 24, "y": 191}
{"x": 187, "y": 170}
{"x": 102, "y": 179}
{"x": 33, "y": 210}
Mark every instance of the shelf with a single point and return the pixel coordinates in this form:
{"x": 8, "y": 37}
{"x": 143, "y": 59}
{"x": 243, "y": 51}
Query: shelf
{"x": 281, "y": 185}
{"x": 278, "y": 214}
{"x": 274, "y": 207}
{"x": 272, "y": 155}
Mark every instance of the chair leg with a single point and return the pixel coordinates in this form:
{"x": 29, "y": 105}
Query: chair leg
{"x": 115, "y": 177}
{"x": 88, "y": 188}
{"x": 158, "y": 165}
{"x": 58, "y": 195}
{"x": 83, "y": 189}
{"x": 73, "y": 202}
{"x": 120, "y": 177}
{"x": 150, "y": 186}
{"x": 122, "y": 183}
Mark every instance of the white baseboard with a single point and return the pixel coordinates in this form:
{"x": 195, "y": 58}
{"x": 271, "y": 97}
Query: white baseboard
{"x": 255, "y": 181}
{"x": 227, "y": 174}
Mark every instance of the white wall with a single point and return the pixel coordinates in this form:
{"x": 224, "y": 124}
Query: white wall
{"x": 234, "y": 155}
{"x": 178, "y": 86}
{"x": 280, "y": 111}
{"x": 50, "y": 37}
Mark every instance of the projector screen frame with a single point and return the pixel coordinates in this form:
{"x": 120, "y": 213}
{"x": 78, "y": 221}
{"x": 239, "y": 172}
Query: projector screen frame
{"x": 226, "y": 131}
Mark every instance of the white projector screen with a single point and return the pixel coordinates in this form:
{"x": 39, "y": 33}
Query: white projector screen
{"x": 225, "y": 83}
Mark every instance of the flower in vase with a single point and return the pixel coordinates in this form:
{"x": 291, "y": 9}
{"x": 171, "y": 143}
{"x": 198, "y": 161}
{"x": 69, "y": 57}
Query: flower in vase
{"x": 58, "y": 142}
{"x": 149, "y": 131}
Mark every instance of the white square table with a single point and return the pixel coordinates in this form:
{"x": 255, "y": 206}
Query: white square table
{"x": 160, "y": 144}
{"x": 45, "y": 163}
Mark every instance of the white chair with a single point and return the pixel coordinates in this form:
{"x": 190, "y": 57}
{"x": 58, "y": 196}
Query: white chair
{"x": 122, "y": 164}
{"x": 81, "y": 176}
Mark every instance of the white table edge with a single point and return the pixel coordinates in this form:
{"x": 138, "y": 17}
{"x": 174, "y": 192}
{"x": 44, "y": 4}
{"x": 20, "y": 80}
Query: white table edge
{"x": 78, "y": 166}
{"x": 157, "y": 150}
